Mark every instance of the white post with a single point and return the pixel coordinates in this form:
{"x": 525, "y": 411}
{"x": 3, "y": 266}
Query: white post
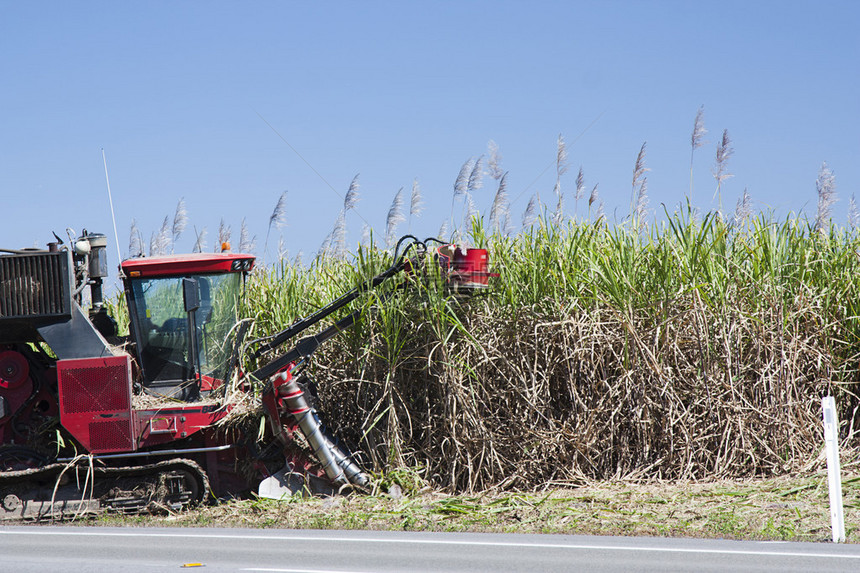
{"x": 834, "y": 480}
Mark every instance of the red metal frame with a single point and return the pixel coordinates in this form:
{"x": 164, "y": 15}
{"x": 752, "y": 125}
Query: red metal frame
{"x": 96, "y": 409}
{"x": 156, "y": 426}
{"x": 179, "y": 265}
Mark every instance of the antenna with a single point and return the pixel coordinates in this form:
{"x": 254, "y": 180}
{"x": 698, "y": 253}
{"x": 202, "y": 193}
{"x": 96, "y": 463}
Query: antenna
{"x": 112, "y": 216}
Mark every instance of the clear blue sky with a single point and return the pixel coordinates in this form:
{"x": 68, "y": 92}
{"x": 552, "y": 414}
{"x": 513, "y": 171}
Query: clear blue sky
{"x": 174, "y": 93}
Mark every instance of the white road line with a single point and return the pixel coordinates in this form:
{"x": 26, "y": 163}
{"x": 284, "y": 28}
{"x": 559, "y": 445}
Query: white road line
{"x": 402, "y": 541}
{"x": 298, "y": 570}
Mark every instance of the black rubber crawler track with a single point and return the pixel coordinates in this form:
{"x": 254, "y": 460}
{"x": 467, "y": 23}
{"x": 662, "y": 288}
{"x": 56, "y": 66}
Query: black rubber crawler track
{"x": 169, "y": 485}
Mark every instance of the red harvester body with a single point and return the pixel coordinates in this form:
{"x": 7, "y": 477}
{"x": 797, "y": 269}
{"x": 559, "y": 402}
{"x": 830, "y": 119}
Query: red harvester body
{"x": 140, "y": 419}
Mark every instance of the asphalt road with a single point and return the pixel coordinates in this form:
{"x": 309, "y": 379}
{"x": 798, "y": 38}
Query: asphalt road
{"x": 71, "y": 548}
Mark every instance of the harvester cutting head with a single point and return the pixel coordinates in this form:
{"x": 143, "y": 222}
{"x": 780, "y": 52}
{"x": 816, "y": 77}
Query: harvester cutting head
{"x": 466, "y": 271}
{"x": 463, "y": 270}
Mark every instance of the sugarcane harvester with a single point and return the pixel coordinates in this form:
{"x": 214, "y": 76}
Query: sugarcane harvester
{"x": 93, "y": 422}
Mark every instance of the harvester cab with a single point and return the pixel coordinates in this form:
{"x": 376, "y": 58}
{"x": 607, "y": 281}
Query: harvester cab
{"x": 184, "y": 320}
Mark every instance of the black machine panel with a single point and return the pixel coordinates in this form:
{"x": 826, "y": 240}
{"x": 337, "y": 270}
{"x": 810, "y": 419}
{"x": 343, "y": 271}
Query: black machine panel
{"x": 34, "y": 286}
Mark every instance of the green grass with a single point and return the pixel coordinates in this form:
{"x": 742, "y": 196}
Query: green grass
{"x": 760, "y": 509}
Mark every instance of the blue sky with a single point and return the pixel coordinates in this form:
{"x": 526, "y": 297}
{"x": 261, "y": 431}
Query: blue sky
{"x": 181, "y": 96}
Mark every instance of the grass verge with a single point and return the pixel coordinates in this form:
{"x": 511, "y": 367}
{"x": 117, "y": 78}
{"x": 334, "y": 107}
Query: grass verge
{"x": 789, "y": 509}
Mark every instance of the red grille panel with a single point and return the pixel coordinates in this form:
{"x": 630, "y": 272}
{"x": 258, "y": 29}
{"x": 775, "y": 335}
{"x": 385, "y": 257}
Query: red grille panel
{"x": 95, "y": 387}
{"x": 95, "y": 402}
{"x": 111, "y": 435}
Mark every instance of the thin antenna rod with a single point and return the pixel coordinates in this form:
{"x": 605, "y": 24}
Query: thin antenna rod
{"x": 112, "y": 216}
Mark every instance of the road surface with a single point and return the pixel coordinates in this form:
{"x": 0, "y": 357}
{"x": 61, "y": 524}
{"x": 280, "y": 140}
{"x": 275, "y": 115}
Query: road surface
{"x": 31, "y": 549}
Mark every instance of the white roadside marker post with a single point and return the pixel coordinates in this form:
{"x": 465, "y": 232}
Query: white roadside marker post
{"x": 834, "y": 480}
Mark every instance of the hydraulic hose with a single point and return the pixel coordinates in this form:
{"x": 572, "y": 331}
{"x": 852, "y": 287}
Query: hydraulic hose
{"x": 337, "y": 466}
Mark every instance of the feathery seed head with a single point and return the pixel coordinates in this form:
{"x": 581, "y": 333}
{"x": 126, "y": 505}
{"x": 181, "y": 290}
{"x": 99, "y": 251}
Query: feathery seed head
{"x": 594, "y": 196}
{"x": 558, "y": 214}
{"x": 530, "y": 214}
{"x": 472, "y": 214}
{"x": 476, "y": 176}
{"x": 561, "y": 157}
{"x": 282, "y": 248}
{"x": 471, "y": 207}
{"x": 826, "y": 187}
{"x": 180, "y": 219}
{"x": 200, "y": 241}
{"x": 276, "y": 219}
{"x": 853, "y": 213}
{"x": 416, "y": 205}
{"x": 500, "y": 206}
{"x": 494, "y": 163}
{"x": 461, "y": 184}
{"x": 163, "y": 239}
{"x": 351, "y": 199}
{"x": 135, "y": 243}
{"x": 743, "y": 210}
{"x": 600, "y": 215}
{"x": 279, "y": 213}
{"x": 699, "y": 130}
{"x": 224, "y": 232}
{"x": 642, "y": 204}
{"x": 724, "y": 152}
{"x": 247, "y": 244}
{"x": 443, "y": 230}
{"x": 395, "y": 217}
{"x": 580, "y": 185}
{"x": 338, "y": 235}
{"x": 639, "y": 168}
{"x": 508, "y": 224}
